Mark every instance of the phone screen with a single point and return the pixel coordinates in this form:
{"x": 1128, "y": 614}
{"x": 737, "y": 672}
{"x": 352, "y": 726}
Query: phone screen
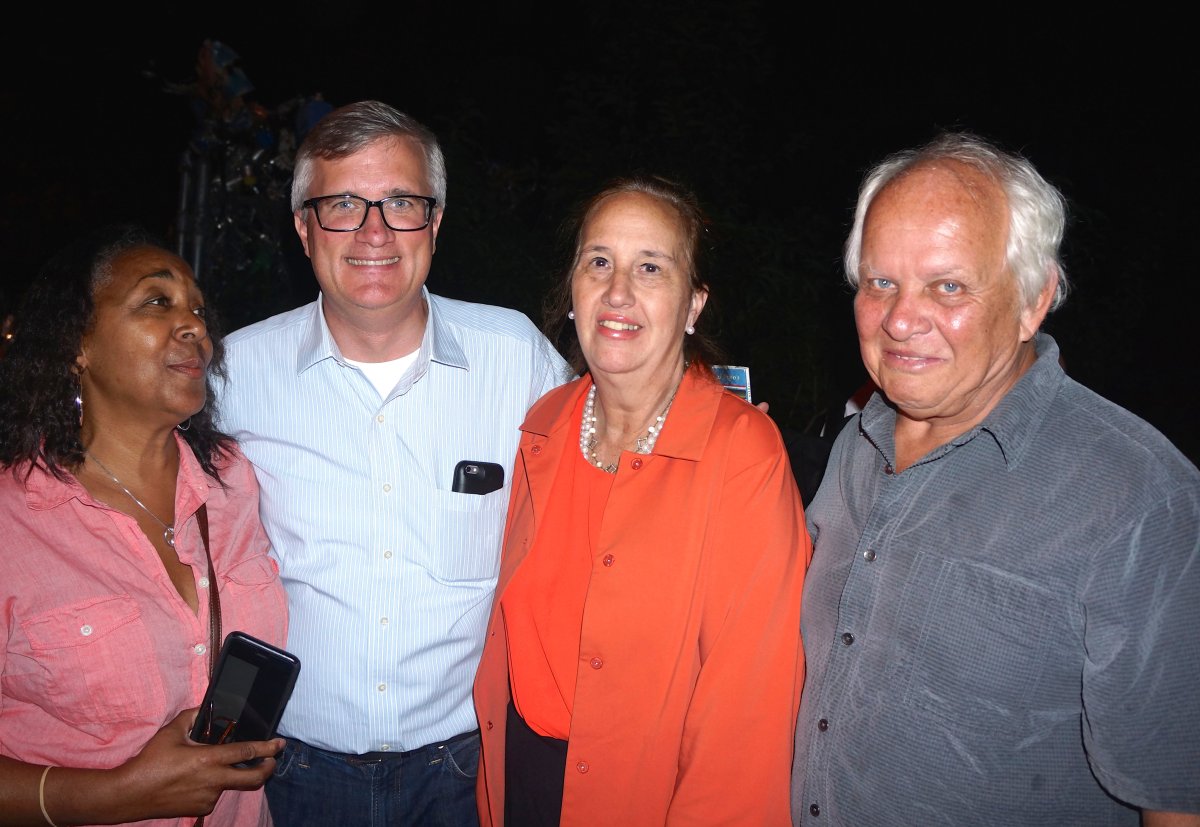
{"x": 250, "y": 688}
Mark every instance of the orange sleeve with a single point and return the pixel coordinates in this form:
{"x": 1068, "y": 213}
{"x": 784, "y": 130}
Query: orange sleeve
{"x": 736, "y": 754}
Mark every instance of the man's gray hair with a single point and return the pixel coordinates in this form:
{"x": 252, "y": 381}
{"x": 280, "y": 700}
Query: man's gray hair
{"x": 352, "y": 128}
{"x": 1036, "y": 209}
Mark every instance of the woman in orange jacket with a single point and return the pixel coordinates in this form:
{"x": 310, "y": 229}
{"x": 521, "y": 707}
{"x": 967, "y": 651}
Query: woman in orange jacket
{"x": 643, "y": 662}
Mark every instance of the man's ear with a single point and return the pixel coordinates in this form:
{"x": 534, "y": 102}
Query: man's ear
{"x": 302, "y": 230}
{"x": 435, "y": 225}
{"x": 1032, "y": 317}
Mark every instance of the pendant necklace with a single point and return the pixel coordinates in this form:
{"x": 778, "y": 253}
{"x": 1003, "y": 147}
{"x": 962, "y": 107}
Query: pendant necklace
{"x": 587, "y": 432}
{"x": 168, "y": 530}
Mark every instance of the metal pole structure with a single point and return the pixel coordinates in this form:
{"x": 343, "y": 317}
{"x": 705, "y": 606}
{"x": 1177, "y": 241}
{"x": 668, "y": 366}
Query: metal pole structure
{"x": 183, "y": 218}
{"x": 201, "y": 218}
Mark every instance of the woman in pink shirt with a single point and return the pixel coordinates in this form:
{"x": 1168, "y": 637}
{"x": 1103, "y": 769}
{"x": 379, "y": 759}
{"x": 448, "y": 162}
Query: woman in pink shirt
{"x": 111, "y": 468}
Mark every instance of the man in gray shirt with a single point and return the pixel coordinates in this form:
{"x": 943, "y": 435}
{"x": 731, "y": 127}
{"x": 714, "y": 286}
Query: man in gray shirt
{"x": 1000, "y": 621}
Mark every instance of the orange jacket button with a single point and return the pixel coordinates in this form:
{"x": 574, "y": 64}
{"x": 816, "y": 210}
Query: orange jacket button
{"x": 636, "y": 464}
{"x": 536, "y": 449}
{"x": 608, "y": 560}
{"x": 489, "y": 724}
{"x": 597, "y": 663}
{"x": 582, "y": 766}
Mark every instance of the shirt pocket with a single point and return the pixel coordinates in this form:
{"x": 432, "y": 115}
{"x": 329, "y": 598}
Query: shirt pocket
{"x": 983, "y": 644}
{"x": 464, "y": 541}
{"x": 99, "y": 661}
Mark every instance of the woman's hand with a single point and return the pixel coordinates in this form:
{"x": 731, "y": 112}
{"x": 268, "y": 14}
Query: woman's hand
{"x": 175, "y": 776}
{"x": 171, "y": 777}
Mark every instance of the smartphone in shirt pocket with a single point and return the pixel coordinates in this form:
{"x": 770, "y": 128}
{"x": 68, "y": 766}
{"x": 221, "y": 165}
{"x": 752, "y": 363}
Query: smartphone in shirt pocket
{"x": 475, "y": 477}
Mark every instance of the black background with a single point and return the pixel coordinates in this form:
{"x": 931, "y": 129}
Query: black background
{"x": 771, "y": 111}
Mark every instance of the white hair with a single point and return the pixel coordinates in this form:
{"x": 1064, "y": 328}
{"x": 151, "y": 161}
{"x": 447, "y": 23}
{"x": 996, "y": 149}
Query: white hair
{"x": 1036, "y": 209}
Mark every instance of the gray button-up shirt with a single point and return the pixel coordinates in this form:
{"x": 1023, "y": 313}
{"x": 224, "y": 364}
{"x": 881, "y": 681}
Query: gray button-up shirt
{"x": 1008, "y": 632}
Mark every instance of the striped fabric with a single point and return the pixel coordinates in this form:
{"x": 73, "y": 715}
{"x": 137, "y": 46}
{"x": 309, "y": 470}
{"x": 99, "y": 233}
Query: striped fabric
{"x": 389, "y": 574}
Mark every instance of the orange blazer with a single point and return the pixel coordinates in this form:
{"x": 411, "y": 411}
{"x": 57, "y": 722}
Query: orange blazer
{"x": 690, "y": 664}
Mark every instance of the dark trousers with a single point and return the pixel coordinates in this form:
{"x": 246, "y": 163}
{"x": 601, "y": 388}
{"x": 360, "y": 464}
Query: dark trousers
{"x": 430, "y": 786}
{"x": 533, "y": 775}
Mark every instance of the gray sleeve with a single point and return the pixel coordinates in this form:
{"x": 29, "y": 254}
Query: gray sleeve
{"x": 1141, "y": 679}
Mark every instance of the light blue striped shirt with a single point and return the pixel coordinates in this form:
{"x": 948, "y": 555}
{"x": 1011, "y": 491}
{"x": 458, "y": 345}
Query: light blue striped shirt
{"x": 389, "y": 574}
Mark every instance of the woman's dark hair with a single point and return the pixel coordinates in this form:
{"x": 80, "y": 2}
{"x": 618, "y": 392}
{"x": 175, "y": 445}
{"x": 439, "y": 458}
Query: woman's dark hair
{"x": 699, "y": 348}
{"x": 39, "y": 420}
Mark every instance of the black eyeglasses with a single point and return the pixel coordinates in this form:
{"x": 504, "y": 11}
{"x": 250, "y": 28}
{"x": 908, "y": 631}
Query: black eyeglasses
{"x": 347, "y": 213}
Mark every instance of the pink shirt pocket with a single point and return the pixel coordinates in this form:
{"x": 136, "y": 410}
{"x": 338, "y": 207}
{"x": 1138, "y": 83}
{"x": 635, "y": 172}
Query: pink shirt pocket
{"x": 97, "y": 660}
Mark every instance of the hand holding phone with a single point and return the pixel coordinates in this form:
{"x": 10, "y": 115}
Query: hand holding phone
{"x": 250, "y": 688}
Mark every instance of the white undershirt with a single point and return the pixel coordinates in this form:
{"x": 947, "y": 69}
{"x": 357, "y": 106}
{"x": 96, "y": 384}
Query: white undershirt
{"x": 385, "y": 375}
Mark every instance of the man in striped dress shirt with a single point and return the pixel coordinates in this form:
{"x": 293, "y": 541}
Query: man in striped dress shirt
{"x": 355, "y": 410}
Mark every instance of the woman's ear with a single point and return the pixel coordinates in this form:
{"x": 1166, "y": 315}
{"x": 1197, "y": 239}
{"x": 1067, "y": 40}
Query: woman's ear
{"x": 699, "y": 298}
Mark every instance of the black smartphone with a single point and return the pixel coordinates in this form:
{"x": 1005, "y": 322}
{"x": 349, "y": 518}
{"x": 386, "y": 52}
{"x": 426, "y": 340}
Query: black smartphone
{"x": 250, "y": 687}
{"x": 474, "y": 477}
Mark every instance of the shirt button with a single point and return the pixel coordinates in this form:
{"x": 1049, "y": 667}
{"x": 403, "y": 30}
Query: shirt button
{"x": 199, "y": 648}
{"x": 847, "y": 638}
{"x": 823, "y": 725}
{"x": 387, "y": 486}
{"x": 383, "y": 621}
{"x": 636, "y": 464}
{"x": 582, "y": 766}
{"x": 382, "y": 687}
{"x": 608, "y": 560}
{"x": 203, "y": 582}
{"x": 387, "y": 555}
{"x": 869, "y": 555}
{"x": 85, "y": 630}
{"x": 814, "y": 809}
{"x": 597, "y": 663}
{"x": 887, "y": 469}
{"x": 536, "y": 449}
{"x": 385, "y": 747}
{"x": 379, "y": 418}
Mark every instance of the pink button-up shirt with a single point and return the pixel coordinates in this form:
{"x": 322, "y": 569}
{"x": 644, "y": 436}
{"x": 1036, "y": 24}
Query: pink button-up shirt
{"x": 99, "y": 651}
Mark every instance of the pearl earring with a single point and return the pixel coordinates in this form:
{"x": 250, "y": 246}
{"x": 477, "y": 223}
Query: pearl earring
{"x": 689, "y": 330}
{"x": 570, "y": 314}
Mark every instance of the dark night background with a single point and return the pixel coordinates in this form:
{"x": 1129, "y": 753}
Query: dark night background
{"x": 771, "y": 112}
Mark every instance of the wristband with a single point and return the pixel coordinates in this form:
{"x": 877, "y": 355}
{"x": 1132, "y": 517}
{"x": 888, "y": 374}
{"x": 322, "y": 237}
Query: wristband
{"x": 42, "y": 797}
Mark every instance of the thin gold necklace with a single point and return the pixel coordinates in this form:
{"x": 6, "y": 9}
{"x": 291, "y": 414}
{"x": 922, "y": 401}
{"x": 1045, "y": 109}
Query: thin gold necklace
{"x": 168, "y": 530}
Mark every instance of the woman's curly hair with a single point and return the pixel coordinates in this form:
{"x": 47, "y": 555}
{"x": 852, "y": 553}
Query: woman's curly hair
{"x": 39, "y": 380}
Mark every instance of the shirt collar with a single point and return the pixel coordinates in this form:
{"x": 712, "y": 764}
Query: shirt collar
{"x": 316, "y": 342}
{"x": 438, "y": 343}
{"x": 688, "y": 423}
{"x": 1018, "y": 417}
{"x": 1012, "y": 424}
{"x": 44, "y": 491}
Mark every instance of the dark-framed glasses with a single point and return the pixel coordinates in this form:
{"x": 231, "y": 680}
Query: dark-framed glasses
{"x": 347, "y": 213}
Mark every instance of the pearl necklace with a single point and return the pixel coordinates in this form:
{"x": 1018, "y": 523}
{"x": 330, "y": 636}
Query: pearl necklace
{"x": 587, "y": 432}
{"x": 168, "y": 530}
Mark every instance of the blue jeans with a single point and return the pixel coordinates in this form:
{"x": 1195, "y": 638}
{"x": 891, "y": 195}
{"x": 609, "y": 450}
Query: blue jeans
{"x": 430, "y": 786}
